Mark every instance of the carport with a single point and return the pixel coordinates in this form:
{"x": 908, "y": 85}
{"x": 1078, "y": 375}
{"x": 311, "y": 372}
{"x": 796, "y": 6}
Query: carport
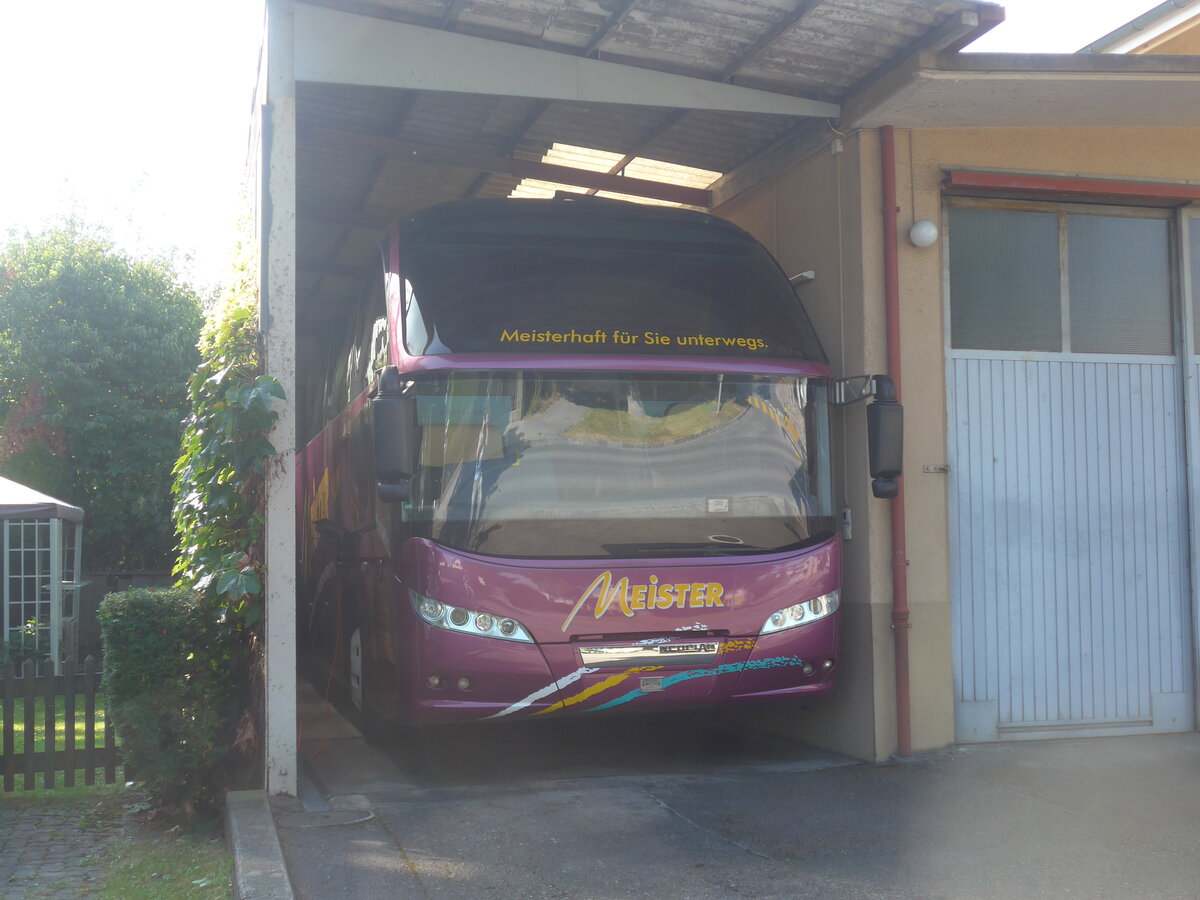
{"x": 373, "y": 109}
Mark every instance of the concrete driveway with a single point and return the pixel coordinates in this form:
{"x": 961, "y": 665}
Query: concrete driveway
{"x": 693, "y": 808}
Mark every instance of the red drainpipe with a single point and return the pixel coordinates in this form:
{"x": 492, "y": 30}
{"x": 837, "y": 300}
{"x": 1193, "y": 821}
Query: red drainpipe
{"x": 891, "y": 289}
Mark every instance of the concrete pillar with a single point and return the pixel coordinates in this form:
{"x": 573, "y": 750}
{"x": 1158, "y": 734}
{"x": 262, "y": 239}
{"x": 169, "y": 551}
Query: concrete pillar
{"x": 277, "y": 299}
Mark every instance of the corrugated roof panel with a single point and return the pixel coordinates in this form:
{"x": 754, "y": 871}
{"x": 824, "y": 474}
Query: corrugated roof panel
{"x": 316, "y": 241}
{"x": 541, "y": 190}
{"x": 306, "y": 283}
{"x": 884, "y": 19}
{"x": 700, "y": 37}
{"x": 638, "y": 167}
{"x": 577, "y": 22}
{"x": 509, "y": 118}
{"x": 825, "y": 77}
{"x": 528, "y": 18}
{"x": 454, "y": 120}
{"x": 405, "y": 187}
{"x": 838, "y": 46}
{"x": 332, "y": 176}
{"x": 498, "y": 186}
{"x": 815, "y": 61}
{"x": 581, "y": 157}
{"x": 716, "y": 141}
{"x": 601, "y": 161}
{"x": 670, "y": 173}
{"x": 360, "y": 247}
{"x": 616, "y": 129}
{"x": 374, "y": 110}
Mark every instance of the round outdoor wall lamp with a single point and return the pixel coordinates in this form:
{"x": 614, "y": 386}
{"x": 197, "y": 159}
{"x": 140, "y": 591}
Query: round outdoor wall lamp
{"x": 923, "y": 233}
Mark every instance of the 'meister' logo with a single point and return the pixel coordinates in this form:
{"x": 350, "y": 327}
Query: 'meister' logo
{"x": 652, "y": 595}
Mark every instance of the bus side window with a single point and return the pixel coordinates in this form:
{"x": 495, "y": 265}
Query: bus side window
{"x": 417, "y": 339}
{"x": 371, "y": 335}
{"x": 314, "y": 386}
{"x": 379, "y": 345}
{"x": 360, "y": 352}
{"x": 336, "y": 395}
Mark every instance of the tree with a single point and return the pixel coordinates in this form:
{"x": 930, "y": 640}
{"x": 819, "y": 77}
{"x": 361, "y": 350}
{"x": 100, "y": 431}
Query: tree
{"x": 95, "y": 352}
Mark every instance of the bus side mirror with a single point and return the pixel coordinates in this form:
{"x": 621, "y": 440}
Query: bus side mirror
{"x": 885, "y": 428}
{"x": 395, "y": 430}
{"x": 885, "y": 446}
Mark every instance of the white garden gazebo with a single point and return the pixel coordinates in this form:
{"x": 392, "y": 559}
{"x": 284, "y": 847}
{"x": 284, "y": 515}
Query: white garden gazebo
{"x": 43, "y": 545}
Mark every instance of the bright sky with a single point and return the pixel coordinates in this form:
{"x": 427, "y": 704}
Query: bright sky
{"x": 130, "y": 114}
{"x": 134, "y": 114}
{"x": 1058, "y": 26}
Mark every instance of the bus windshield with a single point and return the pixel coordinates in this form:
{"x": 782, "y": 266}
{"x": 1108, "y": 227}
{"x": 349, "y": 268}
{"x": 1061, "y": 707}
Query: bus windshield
{"x": 581, "y": 465}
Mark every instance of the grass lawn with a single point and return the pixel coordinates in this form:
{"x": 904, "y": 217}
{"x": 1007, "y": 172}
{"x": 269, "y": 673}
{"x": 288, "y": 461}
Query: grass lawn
{"x": 152, "y": 858}
{"x": 191, "y": 865}
{"x": 39, "y": 723}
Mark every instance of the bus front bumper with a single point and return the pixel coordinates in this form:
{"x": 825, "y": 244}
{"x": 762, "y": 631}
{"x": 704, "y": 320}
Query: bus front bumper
{"x": 463, "y": 678}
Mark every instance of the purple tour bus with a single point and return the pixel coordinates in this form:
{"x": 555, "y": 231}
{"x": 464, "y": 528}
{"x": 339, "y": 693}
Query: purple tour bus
{"x": 573, "y": 455}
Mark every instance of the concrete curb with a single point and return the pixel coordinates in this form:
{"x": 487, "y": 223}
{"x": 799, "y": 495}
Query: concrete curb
{"x": 259, "y": 872}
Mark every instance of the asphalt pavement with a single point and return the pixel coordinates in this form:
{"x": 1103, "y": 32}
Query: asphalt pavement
{"x": 702, "y": 809}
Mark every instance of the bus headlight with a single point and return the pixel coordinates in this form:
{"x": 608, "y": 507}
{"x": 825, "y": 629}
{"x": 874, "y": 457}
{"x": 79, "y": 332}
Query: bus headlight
{"x": 431, "y": 611}
{"x": 802, "y": 613}
{"x": 468, "y": 621}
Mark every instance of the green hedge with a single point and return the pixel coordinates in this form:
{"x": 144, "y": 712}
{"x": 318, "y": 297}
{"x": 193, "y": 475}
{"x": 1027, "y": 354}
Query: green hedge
{"x": 168, "y": 680}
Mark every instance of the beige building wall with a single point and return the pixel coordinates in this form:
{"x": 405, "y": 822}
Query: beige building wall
{"x": 922, "y": 158}
{"x": 812, "y": 218}
{"x": 1180, "y": 43}
{"x": 825, "y": 214}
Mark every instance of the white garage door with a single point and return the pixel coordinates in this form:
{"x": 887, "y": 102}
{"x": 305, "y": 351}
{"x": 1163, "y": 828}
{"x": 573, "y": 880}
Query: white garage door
{"x": 1070, "y": 518}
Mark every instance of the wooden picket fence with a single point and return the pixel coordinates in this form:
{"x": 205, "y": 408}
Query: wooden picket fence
{"x": 68, "y": 706}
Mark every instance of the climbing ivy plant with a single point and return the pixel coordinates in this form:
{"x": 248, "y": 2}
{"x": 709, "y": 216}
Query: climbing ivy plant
{"x": 219, "y": 478}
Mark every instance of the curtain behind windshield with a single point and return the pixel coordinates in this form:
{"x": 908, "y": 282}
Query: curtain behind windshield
{"x": 572, "y": 465}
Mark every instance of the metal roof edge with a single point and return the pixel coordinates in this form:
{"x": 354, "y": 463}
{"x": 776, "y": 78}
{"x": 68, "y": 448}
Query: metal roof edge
{"x": 861, "y": 109}
{"x": 1061, "y": 63}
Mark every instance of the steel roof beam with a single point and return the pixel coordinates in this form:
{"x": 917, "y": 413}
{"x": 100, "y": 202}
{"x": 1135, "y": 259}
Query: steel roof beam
{"x": 343, "y": 48}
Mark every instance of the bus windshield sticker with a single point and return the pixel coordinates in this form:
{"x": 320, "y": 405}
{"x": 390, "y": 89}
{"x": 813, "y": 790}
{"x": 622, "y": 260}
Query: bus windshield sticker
{"x": 616, "y": 339}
